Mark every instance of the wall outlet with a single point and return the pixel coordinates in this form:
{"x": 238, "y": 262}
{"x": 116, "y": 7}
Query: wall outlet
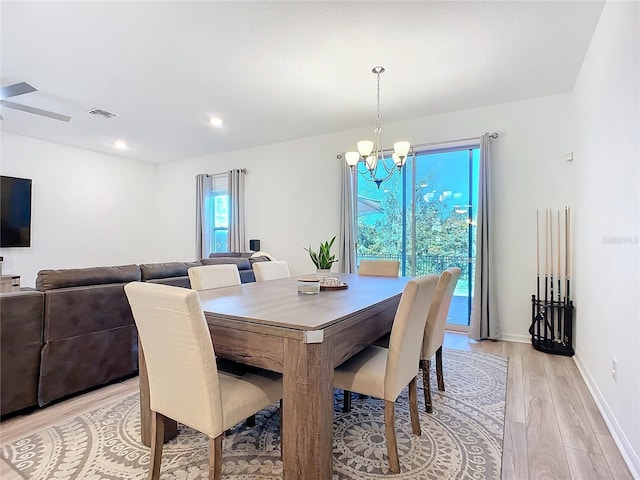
{"x": 614, "y": 368}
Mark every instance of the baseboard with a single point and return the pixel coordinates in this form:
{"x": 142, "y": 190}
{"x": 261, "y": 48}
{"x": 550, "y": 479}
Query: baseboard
{"x": 513, "y": 337}
{"x": 626, "y": 450}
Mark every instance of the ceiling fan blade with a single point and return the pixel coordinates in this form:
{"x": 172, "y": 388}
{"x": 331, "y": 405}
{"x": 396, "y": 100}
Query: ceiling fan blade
{"x": 16, "y": 89}
{"x": 37, "y": 111}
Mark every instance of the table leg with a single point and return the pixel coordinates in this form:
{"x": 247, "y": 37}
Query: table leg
{"x": 170, "y": 426}
{"x": 307, "y": 436}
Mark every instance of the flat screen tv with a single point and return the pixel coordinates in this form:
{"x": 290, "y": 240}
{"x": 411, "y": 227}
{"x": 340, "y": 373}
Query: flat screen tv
{"x": 15, "y": 212}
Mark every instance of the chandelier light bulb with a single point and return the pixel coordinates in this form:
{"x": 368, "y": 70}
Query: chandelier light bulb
{"x": 402, "y": 148}
{"x": 365, "y": 147}
{"x": 352, "y": 158}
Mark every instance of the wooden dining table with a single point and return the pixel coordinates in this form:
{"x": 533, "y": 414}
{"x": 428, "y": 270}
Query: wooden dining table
{"x": 272, "y": 326}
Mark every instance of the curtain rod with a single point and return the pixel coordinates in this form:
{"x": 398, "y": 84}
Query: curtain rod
{"x": 243, "y": 170}
{"x": 459, "y": 140}
{"x": 443, "y": 142}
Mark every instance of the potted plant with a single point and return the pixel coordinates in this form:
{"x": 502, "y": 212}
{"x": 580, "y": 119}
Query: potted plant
{"x": 323, "y": 259}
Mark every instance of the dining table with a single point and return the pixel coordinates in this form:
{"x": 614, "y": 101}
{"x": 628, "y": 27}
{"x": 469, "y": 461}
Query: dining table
{"x": 303, "y": 336}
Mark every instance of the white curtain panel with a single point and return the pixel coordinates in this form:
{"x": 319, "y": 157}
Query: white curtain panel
{"x": 347, "y": 245}
{"x": 203, "y": 223}
{"x": 484, "y": 316}
{"x": 236, "y": 210}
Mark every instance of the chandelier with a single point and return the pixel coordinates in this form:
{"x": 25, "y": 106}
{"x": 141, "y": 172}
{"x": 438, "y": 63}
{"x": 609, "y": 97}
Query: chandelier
{"x": 373, "y": 154}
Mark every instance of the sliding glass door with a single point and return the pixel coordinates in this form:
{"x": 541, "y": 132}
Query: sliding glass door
{"x": 425, "y": 217}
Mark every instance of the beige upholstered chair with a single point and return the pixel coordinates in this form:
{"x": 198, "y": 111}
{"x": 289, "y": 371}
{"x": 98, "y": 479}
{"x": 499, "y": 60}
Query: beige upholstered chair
{"x": 384, "y": 372}
{"x": 271, "y": 270}
{"x": 434, "y": 332}
{"x": 175, "y": 339}
{"x": 380, "y": 268}
{"x": 260, "y": 253}
{"x": 207, "y": 277}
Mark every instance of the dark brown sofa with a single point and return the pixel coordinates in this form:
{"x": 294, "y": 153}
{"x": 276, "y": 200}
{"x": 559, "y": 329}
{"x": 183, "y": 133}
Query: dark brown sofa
{"x": 76, "y": 331}
{"x": 20, "y": 345}
{"x": 89, "y": 334}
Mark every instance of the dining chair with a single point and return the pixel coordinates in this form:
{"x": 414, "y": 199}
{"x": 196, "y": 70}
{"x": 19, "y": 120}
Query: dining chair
{"x": 260, "y": 253}
{"x": 271, "y": 270}
{"x": 385, "y": 372}
{"x": 208, "y": 277}
{"x": 380, "y": 268}
{"x": 174, "y": 336}
{"x": 434, "y": 332}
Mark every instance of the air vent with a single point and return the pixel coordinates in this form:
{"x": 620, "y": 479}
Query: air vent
{"x": 102, "y": 113}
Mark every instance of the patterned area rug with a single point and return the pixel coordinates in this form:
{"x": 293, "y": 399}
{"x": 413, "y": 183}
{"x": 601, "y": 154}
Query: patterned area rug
{"x": 462, "y": 439}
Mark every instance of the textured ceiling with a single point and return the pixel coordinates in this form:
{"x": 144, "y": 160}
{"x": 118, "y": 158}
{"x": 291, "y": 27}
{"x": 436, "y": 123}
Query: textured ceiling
{"x": 274, "y": 71}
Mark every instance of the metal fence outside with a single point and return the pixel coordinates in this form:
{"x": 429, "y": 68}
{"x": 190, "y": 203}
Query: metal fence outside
{"x": 427, "y": 264}
{"x": 434, "y": 264}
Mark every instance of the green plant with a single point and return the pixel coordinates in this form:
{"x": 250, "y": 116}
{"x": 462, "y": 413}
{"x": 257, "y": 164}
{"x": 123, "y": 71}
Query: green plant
{"x": 323, "y": 259}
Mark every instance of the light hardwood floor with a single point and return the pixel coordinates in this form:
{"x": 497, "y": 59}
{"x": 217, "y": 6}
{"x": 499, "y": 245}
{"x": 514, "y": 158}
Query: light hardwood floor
{"x": 553, "y": 429}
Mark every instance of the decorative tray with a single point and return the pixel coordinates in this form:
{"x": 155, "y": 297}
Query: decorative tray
{"x": 342, "y": 286}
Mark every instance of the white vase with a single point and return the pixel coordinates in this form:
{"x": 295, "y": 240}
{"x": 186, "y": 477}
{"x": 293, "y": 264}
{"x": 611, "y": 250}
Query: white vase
{"x": 323, "y": 273}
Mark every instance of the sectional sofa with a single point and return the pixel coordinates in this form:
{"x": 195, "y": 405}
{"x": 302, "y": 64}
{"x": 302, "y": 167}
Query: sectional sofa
{"x": 75, "y": 331}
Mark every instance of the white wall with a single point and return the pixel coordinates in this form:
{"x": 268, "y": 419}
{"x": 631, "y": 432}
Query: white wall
{"x": 94, "y": 209}
{"x": 607, "y": 104}
{"x": 88, "y": 208}
{"x": 293, "y": 190}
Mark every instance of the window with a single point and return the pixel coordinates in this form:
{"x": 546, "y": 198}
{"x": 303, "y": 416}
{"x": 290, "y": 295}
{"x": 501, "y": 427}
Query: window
{"x": 425, "y": 218}
{"x": 219, "y": 213}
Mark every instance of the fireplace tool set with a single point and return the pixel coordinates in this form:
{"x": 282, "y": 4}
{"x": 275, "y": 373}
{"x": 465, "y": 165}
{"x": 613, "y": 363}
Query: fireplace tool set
{"x": 552, "y": 315}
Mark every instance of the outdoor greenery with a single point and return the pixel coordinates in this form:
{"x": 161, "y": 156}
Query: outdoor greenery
{"x": 440, "y": 229}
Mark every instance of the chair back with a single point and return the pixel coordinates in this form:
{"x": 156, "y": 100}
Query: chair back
{"x": 437, "y": 317}
{"x": 260, "y": 253}
{"x": 271, "y": 270}
{"x": 181, "y": 365}
{"x": 380, "y": 268}
{"x": 407, "y": 333}
{"x": 207, "y": 277}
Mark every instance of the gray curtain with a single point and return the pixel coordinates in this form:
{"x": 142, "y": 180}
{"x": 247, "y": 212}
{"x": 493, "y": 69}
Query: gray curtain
{"x": 484, "y": 315}
{"x": 236, "y": 210}
{"x": 347, "y": 247}
{"x": 203, "y": 230}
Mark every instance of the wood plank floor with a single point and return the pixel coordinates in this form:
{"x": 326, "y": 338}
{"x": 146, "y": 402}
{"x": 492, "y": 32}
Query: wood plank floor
{"x": 553, "y": 429}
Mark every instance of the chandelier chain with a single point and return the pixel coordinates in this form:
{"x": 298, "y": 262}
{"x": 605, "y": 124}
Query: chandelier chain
{"x": 378, "y": 127}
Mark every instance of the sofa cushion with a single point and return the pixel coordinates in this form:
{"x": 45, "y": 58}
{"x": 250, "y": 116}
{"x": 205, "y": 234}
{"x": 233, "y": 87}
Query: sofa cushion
{"x": 73, "y": 311}
{"x": 150, "y": 271}
{"x": 78, "y": 277}
{"x": 74, "y": 364}
{"x": 183, "y": 282}
{"x": 225, "y": 254}
{"x": 20, "y": 345}
{"x": 241, "y": 263}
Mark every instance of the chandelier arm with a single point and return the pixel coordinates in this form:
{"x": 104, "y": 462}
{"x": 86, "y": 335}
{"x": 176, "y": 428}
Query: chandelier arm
{"x": 370, "y": 176}
{"x": 387, "y": 169}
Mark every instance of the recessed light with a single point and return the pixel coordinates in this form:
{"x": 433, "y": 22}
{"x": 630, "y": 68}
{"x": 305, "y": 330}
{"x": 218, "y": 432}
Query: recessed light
{"x": 215, "y": 121}
{"x": 121, "y": 145}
